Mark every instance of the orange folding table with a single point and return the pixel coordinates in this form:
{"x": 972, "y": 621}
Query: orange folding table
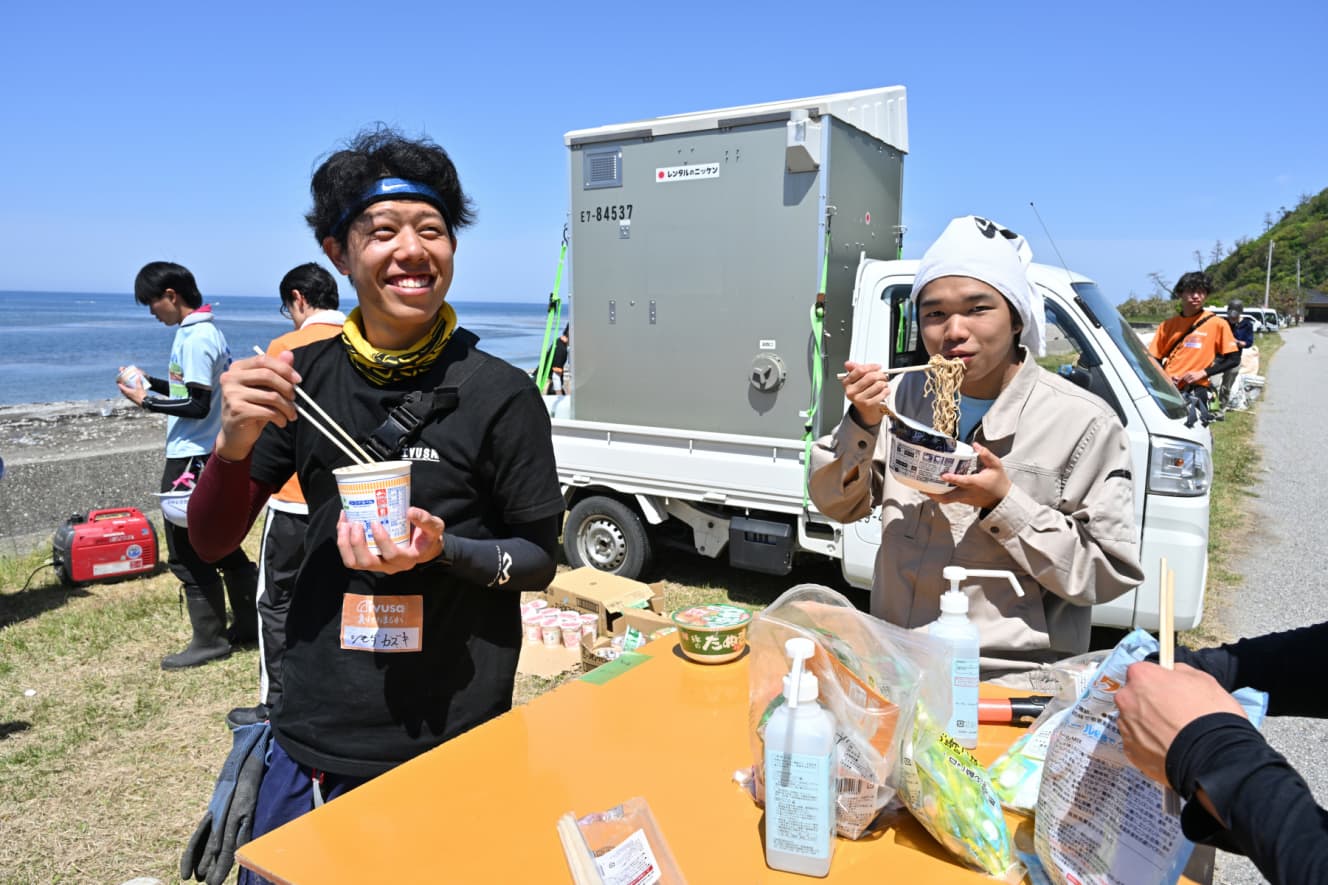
{"x": 484, "y": 807}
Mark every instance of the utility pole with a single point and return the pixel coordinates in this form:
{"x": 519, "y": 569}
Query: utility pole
{"x": 1299, "y": 296}
{"x": 1268, "y": 277}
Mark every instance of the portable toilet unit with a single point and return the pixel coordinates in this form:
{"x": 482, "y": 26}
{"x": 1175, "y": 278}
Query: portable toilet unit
{"x": 698, "y": 243}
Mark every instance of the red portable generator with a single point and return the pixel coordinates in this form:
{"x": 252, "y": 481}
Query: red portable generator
{"x": 104, "y": 545}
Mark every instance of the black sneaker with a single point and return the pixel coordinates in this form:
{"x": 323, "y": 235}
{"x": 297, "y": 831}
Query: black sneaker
{"x": 241, "y": 716}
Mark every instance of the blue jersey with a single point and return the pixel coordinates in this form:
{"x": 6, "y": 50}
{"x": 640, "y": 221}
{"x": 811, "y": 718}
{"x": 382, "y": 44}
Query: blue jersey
{"x": 199, "y": 355}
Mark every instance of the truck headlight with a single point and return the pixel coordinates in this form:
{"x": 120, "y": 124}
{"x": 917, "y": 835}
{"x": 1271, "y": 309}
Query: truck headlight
{"x": 1179, "y": 468}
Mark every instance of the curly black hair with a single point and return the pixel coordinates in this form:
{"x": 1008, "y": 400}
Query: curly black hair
{"x": 1194, "y": 281}
{"x": 157, "y": 276}
{"x": 383, "y": 152}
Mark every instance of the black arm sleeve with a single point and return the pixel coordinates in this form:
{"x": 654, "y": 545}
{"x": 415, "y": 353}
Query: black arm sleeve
{"x": 1266, "y": 811}
{"x": 1275, "y": 663}
{"x": 158, "y": 385}
{"x": 197, "y": 405}
{"x": 1223, "y": 362}
{"x": 521, "y": 562}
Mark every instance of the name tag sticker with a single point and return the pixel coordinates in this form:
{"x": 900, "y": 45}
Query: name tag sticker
{"x": 382, "y": 623}
{"x": 1194, "y": 343}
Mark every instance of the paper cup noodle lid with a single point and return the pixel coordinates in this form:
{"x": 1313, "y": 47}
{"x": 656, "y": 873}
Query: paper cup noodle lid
{"x": 919, "y": 455}
{"x": 377, "y": 493}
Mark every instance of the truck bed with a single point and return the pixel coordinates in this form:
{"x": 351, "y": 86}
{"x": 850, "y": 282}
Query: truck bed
{"x": 713, "y": 468}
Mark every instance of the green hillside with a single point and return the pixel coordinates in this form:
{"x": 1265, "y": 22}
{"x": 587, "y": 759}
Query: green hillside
{"x": 1238, "y": 271}
{"x": 1299, "y": 233}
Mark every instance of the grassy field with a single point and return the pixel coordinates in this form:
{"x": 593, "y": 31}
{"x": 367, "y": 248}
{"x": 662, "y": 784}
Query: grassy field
{"x": 106, "y": 767}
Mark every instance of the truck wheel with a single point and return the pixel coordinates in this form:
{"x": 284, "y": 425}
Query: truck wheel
{"x": 608, "y": 535}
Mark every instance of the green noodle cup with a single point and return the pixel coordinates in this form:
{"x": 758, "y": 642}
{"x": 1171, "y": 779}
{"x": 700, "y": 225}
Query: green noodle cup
{"x": 712, "y": 634}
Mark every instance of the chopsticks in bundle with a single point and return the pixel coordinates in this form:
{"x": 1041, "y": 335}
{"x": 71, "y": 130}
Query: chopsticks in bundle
{"x": 579, "y": 859}
{"x": 1166, "y": 653}
{"x": 331, "y": 429}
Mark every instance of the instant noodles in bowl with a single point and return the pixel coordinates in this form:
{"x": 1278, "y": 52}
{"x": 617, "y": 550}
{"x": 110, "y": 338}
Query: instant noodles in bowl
{"x": 712, "y": 634}
{"x": 919, "y": 455}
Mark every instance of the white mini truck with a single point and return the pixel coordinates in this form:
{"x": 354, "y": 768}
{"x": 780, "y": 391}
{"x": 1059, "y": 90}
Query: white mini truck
{"x": 724, "y": 264}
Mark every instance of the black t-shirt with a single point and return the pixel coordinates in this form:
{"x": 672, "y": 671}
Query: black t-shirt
{"x": 483, "y": 467}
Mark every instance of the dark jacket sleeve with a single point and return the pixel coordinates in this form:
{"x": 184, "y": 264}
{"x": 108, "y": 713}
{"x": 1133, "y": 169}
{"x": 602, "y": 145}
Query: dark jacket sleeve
{"x": 197, "y": 405}
{"x": 1276, "y": 663}
{"x": 1266, "y": 810}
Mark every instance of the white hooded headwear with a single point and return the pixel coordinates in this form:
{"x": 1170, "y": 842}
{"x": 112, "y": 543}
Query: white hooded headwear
{"x": 984, "y": 250}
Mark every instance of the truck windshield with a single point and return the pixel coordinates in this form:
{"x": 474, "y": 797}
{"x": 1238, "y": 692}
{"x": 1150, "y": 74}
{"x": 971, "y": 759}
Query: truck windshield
{"x": 1164, "y": 393}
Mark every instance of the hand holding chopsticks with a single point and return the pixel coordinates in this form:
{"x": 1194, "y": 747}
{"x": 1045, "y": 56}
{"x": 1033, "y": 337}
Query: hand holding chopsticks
{"x": 328, "y": 427}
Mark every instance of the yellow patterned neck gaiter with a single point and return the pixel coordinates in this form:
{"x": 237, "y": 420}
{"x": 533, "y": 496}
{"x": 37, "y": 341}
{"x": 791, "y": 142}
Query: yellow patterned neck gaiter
{"x": 383, "y": 366}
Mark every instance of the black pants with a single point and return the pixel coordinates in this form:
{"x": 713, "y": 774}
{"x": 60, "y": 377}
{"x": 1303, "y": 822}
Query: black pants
{"x": 280, "y": 557}
{"x": 184, "y": 562}
{"x": 1196, "y": 403}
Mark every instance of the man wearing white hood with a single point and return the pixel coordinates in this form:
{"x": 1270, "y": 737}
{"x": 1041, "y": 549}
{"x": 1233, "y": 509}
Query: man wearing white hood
{"x": 1053, "y": 498}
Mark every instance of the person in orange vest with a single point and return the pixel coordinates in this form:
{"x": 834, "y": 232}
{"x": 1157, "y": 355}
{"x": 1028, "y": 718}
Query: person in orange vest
{"x": 309, "y": 299}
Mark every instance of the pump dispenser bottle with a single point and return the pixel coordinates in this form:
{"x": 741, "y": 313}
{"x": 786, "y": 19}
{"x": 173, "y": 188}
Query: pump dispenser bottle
{"x": 799, "y": 773}
{"x": 955, "y": 628}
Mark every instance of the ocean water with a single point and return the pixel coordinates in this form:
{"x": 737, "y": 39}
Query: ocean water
{"x": 57, "y": 346}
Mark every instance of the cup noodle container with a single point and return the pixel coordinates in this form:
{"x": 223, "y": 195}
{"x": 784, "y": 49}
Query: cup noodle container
{"x": 530, "y": 627}
{"x": 570, "y": 622}
{"x": 550, "y": 632}
{"x": 590, "y": 625}
{"x": 377, "y": 493}
{"x": 131, "y": 376}
{"x": 916, "y": 462}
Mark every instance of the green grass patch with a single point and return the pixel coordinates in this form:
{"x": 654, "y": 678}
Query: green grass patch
{"x": 1236, "y": 465}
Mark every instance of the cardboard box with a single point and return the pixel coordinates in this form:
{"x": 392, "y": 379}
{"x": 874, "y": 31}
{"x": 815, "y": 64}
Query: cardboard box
{"x": 599, "y": 593}
{"x": 645, "y": 621}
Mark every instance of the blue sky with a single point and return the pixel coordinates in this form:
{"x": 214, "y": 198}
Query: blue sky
{"x": 1144, "y": 131}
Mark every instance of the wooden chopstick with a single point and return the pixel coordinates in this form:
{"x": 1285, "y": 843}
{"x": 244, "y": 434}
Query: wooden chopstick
{"x": 359, "y": 456}
{"x": 579, "y": 859}
{"x": 1166, "y": 581}
{"x": 1166, "y": 653}
{"x": 899, "y": 371}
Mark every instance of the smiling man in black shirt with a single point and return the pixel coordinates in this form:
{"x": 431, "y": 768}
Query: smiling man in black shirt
{"x": 486, "y": 503}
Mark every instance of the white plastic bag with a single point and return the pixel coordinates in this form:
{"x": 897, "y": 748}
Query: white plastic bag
{"x": 872, "y": 676}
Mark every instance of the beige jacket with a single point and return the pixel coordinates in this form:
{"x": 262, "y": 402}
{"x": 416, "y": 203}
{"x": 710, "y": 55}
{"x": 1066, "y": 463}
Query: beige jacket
{"x": 1066, "y": 528}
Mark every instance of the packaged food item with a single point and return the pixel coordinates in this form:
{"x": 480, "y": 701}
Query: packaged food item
{"x": 948, "y": 791}
{"x": 1099, "y": 819}
{"x": 871, "y": 675}
{"x": 621, "y": 846}
{"x": 1017, "y": 774}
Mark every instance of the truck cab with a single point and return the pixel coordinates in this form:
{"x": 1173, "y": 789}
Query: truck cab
{"x": 1089, "y": 343}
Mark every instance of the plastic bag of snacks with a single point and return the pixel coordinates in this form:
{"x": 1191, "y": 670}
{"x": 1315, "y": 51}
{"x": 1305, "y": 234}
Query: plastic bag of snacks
{"x": 872, "y": 676}
{"x": 1017, "y": 774}
{"x": 948, "y": 791}
{"x": 1099, "y": 819}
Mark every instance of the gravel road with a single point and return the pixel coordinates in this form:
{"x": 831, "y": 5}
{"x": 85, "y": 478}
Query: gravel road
{"x": 1285, "y": 569}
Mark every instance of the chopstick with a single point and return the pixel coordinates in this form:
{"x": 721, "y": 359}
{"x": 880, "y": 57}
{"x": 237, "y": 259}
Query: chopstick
{"x": 1166, "y": 653}
{"x": 359, "y": 456}
{"x": 1166, "y": 634}
{"x": 579, "y": 860}
{"x": 899, "y": 371}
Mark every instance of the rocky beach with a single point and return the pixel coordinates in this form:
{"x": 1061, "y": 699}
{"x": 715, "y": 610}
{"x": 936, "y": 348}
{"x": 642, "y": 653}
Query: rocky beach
{"x": 72, "y": 457}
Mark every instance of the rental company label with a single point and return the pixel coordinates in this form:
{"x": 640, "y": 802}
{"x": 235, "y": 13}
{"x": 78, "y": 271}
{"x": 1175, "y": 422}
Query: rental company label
{"x": 668, "y": 174}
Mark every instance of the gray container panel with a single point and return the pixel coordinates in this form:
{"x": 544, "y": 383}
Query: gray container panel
{"x": 864, "y": 188}
{"x": 674, "y": 303}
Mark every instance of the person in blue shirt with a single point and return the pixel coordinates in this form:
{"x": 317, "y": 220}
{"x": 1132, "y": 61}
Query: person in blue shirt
{"x": 199, "y": 355}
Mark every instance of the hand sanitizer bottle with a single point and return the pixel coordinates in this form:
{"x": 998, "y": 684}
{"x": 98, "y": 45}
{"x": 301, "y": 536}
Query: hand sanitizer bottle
{"x": 955, "y": 627}
{"x": 800, "y": 773}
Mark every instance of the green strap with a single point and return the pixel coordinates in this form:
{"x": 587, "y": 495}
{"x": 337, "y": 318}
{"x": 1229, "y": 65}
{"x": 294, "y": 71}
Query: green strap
{"x": 552, "y": 322}
{"x": 818, "y": 369}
